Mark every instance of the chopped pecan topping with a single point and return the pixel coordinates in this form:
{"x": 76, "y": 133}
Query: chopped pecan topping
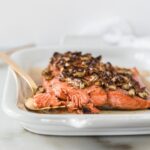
{"x": 83, "y": 70}
{"x": 47, "y": 74}
{"x": 132, "y": 92}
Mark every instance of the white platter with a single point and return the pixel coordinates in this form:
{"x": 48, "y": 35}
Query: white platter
{"x": 111, "y": 123}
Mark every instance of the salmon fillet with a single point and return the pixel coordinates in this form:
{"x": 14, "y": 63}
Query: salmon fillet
{"x": 84, "y": 84}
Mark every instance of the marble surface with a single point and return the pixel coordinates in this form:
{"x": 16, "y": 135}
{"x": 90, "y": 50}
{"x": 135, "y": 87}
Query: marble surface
{"x": 14, "y": 137}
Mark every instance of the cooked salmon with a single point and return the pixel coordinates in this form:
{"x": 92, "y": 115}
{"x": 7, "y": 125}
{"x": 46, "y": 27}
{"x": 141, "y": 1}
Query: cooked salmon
{"x": 83, "y": 84}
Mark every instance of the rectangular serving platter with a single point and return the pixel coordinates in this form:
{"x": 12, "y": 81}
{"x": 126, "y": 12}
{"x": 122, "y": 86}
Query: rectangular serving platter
{"x": 105, "y": 123}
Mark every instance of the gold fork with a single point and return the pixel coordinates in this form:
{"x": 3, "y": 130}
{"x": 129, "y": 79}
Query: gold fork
{"x": 29, "y": 102}
{"x": 19, "y": 71}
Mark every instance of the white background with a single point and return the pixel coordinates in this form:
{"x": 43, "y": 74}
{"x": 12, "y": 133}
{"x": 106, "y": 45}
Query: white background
{"x": 46, "y": 21}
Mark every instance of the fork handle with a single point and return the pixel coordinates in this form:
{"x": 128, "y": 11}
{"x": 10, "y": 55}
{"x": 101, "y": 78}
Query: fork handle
{"x": 19, "y": 71}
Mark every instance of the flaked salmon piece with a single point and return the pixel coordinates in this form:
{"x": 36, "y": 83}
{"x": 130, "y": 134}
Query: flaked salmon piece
{"x": 120, "y": 100}
{"x": 97, "y": 96}
{"x": 92, "y": 108}
{"x": 78, "y": 97}
{"x": 61, "y": 89}
{"x": 46, "y": 100}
